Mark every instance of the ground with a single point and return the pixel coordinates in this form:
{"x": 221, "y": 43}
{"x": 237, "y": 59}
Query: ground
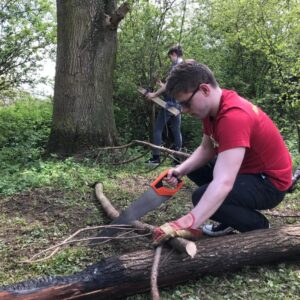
{"x": 40, "y": 218}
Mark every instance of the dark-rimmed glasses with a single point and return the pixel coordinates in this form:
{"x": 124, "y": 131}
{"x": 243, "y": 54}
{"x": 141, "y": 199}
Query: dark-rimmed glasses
{"x": 187, "y": 103}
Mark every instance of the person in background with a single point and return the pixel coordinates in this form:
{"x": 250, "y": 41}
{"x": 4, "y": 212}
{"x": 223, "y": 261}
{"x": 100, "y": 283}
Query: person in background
{"x": 242, "y": 165}
{"x": 164, "y": 117}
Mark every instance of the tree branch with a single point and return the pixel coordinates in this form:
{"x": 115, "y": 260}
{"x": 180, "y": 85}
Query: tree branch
{"x": 180, "y": 244}
{"x": 70, "y": 240}
{"x": 163, "y": 149}
{"x": 114, "y": 20}
{"x": 154, "y": 274}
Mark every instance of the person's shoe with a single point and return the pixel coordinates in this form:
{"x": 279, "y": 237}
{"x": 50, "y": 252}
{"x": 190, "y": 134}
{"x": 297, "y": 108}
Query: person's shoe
{"x": 153, "y": 161}
{"x": 217, "y": 230}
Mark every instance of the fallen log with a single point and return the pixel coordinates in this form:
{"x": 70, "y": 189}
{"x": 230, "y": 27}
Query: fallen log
{"x": 129, "y": 274}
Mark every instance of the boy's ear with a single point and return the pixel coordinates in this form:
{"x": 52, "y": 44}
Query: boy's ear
{"x": 204, "y": 88}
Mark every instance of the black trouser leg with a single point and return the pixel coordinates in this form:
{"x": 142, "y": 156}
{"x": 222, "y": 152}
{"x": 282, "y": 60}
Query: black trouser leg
{"x": 251, "y": 192}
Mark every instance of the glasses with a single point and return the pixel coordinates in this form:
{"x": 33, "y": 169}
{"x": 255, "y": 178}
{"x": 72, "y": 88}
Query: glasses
{"x": 187, "y": 103}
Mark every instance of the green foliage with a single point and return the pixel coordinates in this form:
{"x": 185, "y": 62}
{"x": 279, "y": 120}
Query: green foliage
{"x": 24, "y": 131}
{"x": 252, "y": 47}
{"x": 191, "y": 132}
{"x": 24, "y": 126}
{"x": 27, "y": 33}
{"x": 280, "y": 282}
{"x": 144, "y": 39}
{"x": 251, "y": 41}
{"x": 66, "y": 262}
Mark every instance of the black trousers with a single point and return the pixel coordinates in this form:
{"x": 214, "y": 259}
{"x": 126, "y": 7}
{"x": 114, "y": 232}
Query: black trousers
{"x": 250, "y": 193}
{"x": 163, "y": 117}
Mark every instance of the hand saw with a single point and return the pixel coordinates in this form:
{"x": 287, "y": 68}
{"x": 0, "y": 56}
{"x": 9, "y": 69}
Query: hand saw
{"x": 148, "y": 201}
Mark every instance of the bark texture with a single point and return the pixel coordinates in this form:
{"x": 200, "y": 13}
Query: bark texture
{"x": 86, "y": 53}
{"x": 129, "y": 274}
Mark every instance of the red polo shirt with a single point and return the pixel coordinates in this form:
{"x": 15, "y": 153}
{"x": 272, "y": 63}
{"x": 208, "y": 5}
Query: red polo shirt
{"x": 239, "y": 123}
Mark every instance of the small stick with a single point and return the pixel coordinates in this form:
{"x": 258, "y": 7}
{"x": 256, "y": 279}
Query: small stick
{"x": 282, "y": 214}
{"x": 154, "y": 274}
{"x": 70, "y": 240}
{"x": 163, "y": 149}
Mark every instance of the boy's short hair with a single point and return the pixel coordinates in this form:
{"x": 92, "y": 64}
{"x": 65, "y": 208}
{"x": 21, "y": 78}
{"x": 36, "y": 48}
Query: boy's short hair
{"x": 176, "y": 49}
{"x": 186, "y": 76}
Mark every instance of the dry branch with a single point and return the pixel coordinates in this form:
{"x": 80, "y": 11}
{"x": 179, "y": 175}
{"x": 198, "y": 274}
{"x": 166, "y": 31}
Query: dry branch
{"x": 70, "y": 240}
{"x": 118, "y": 15}
{"x": 180, "y": 244}
{"x": 283, "y": 214}
{"x": 152, "y": 146}
{"x": 154, "y": 274}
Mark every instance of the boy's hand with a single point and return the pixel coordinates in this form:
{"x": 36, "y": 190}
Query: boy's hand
{"x": 180, "y": 228}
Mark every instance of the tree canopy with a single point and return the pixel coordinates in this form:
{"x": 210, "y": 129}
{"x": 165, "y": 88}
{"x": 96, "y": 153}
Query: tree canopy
{"x": 27, "y": 33}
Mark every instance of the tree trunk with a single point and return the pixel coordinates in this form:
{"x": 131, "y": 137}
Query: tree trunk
{"x": 86, "y": 51}
{"x": 129, "y": 274}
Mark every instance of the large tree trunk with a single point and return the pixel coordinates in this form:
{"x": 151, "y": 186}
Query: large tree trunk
{"x": 129, "y": 274}
{"x": 86, "y": 51}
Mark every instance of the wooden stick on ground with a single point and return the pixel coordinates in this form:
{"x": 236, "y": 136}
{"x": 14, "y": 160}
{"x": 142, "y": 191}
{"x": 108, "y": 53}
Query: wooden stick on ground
{"x": 70, "y": 240}
{"x": 180, "y": 244}
{"x": 154, "y": 274}
{"x": 283, "y": 214}
{"x": 150, "y": 145}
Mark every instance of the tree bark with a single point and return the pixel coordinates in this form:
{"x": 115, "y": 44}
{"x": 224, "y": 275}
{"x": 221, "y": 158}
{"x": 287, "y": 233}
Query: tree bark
{"x": 86, "y": 52}
{"x": 129, "y": 274}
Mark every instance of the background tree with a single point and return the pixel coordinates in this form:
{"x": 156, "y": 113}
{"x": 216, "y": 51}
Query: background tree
{"x": 86, "y": 47}
{"x": 27, "y": 35}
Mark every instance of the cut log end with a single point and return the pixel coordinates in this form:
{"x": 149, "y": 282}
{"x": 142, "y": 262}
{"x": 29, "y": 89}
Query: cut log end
{"x": 191, "y": 249}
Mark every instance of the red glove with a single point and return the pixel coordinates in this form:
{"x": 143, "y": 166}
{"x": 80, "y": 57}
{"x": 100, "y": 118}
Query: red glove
{"x": 180, "y": 228}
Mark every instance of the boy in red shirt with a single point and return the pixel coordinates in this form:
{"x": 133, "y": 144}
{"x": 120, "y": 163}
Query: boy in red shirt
{"x": 242, "y": 165}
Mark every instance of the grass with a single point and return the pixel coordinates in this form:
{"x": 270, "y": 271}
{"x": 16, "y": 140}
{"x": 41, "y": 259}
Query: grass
{"x": 43, "y": 201}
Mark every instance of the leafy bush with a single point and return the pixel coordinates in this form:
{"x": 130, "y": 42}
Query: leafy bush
{"x": 24, "y": 130}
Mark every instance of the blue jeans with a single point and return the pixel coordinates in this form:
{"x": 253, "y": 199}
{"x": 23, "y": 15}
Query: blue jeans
{"x": 163, "y": 117}
{"x": 250, "y": 193}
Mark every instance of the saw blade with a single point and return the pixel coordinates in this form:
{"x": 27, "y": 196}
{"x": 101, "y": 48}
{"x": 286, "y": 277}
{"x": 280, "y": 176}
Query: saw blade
{"x": 147, "y": 202}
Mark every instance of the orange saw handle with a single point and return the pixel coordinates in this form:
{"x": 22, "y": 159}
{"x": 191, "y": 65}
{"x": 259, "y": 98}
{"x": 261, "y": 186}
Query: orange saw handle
{"x": 161, "y": 190}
